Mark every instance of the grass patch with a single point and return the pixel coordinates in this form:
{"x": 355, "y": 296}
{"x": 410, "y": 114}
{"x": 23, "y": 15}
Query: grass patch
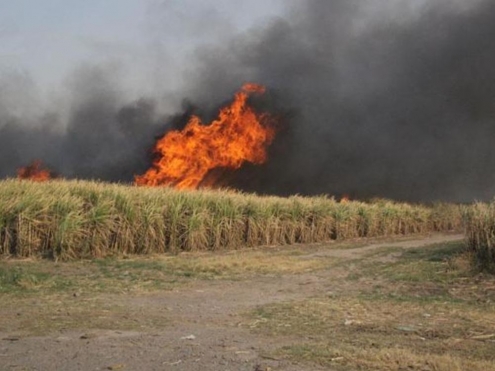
{"x": 27, "y": 316}
{"x": 39, "y": 278}
{"x": 385, "y": 359}
{"x": 431, "y": 264}
{"x": 440, "y": 273}
{"x": 355, "y": 333}
{"x": 16, "y": 278}
{"x": 144, "y": 274}
{"x": 423, "y": 310}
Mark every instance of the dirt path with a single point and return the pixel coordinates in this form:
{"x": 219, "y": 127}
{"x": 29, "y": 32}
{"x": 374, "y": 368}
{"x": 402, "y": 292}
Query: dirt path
{"x": 204, "y": 329}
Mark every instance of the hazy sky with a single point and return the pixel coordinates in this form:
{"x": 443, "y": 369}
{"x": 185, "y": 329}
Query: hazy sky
{"x": 48, "y": 39}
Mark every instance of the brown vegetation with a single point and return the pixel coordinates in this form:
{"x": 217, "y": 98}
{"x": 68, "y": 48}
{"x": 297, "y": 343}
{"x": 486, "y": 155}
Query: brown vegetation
{"x": 74, "y": 219}
{"x": 480, "y": 233}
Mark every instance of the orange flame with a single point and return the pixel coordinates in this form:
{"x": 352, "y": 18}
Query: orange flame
{"x": 34, "y": 172}
{"x": 186, "y": 158}
{"x": 345, "y": 199}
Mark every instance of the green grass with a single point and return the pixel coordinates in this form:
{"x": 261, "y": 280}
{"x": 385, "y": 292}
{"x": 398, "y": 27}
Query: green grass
{"x": 40, "y": 278}
{"x": 21, "y": 279}
{"x": 422, "y": 265}
{"x": 440, "y": 273}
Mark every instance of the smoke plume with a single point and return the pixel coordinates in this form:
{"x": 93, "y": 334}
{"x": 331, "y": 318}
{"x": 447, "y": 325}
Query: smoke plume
{"x": 102, "y": 138}
{"x": 376, "y": 99}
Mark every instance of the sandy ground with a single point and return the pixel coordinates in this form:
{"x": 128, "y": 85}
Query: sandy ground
{"x": 205, "y": 326}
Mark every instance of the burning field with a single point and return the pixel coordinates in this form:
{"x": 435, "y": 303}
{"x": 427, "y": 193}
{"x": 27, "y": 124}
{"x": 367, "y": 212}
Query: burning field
{"x": 35, "y": 172}
{"x": 300, "y": 194}
{"x": 172, "y": 210}
{"x": 198, "y": 156}
{"x": 331, "y": 99}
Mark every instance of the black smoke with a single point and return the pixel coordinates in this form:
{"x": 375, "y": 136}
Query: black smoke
{"x": 377, "y": 99}
{"x": 397, "y": 102}
{"x": 103, "y": 138}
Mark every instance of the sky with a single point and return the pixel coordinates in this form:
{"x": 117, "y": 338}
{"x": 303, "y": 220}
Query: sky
{"x": 46, "y": 40}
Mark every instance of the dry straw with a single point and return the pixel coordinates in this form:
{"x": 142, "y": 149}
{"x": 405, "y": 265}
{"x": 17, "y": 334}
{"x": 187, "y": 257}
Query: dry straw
{"x": 480, "y": 232}
{"x": 75, "y": 219}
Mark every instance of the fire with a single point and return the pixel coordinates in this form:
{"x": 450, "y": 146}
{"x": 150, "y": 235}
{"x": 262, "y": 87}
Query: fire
{"x": 35, "y": 172}
{"x": 185, "y": 159}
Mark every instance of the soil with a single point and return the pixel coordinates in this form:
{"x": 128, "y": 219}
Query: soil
{"x": 205, "y": 326}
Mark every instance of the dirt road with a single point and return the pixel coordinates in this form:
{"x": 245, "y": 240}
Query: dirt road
{"x": 201, "y": 325}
